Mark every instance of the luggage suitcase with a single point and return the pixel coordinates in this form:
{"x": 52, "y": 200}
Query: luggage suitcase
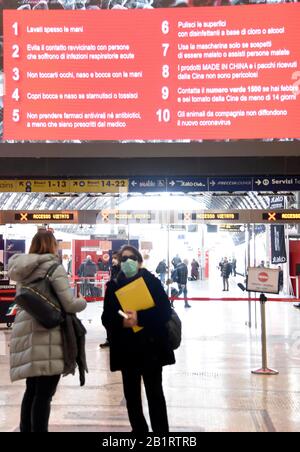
{"x": 8, "y": 307}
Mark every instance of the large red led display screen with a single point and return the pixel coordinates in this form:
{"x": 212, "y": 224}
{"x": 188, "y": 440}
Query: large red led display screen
{"x": 152, "y": 74}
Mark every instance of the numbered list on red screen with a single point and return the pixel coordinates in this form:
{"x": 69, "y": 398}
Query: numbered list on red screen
{"x": 166, "y": 74}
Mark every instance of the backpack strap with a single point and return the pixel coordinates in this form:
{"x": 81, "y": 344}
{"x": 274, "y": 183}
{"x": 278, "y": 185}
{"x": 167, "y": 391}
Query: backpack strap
{"x": 51, "y": 270}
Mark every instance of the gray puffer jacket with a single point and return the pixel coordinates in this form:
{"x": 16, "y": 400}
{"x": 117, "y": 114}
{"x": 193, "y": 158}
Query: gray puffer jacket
{"x": 34, "y": 350}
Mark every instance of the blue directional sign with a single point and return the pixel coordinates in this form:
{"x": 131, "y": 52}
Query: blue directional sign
{"x": 195, "y": 184}
{"x": 188, "y": 184}
{"x": 276, "y": 183}
{"x": 230, "y": 184}
{"x": 147, "y": 184}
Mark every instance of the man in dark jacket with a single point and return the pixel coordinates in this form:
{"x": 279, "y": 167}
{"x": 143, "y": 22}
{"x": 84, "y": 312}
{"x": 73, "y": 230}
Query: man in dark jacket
{"x": 225, "y": 273}
{"x": 181, "y": 275}
{"x": 87, "y": 272}
{"x": 176, "y": 261}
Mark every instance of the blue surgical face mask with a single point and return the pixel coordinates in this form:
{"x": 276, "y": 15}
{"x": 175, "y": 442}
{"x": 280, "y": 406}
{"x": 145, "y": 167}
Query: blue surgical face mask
{"x": 130, "y": 268}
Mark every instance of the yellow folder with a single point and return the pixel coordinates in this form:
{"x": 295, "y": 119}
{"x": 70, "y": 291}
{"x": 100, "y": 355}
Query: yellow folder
{"x": 135, "y": 296}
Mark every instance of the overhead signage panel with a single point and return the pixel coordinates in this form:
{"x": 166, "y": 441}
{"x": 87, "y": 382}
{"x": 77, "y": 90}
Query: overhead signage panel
{"x": 288, "y": 217}
{"x": 188, "y": 184}
{"x": 230, "y": 184}
{"x": 114, "y": 216}
{"x": 156, "y": 184}
{"x": 227, "y": 220}
{"x": 148, "y": 184}
{"x": 221, "y": 216}
{"x": 234, "y": 228}
{"x": 99, "y": 186}
{"x": 8, "y": 186}
{"x": 278, "y": 183}
{"x": 65, "y": 185}
{"x": 42, "y": 217}
{"x": 43, "y": 186}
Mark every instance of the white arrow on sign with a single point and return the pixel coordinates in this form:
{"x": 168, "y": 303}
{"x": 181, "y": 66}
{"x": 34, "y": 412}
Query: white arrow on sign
{"x": 133, "y": 183}
{"x": 258, "y": 182}
{"x": 213, "y": 183}
{"x": 172, "y": 183}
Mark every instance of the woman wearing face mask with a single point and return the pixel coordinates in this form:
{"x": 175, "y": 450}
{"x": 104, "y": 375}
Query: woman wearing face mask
{"x": 142, "y": 354}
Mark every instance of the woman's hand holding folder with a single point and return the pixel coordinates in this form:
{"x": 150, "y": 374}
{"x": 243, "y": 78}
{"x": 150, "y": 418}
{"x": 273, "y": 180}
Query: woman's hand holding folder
{"x": 132, "y": 319}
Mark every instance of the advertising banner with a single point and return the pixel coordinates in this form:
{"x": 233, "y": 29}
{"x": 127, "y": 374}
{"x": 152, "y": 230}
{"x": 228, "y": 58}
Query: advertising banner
{"x": 13, "y": 247}
{"x": 278, "y": 249}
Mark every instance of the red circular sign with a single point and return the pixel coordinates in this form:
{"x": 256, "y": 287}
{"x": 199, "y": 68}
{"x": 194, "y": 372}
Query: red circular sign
{"x": 263, "y": 277}
{"x": 105, "y": 257}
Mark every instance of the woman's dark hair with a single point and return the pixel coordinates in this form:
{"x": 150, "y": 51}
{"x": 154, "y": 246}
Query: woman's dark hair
{"x": 116, "y": 254}
{"x": 43, "y": 242}
{"x": 133, "y": 250}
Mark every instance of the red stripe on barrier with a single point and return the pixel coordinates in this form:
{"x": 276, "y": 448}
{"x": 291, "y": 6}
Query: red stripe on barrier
{"x": 276, "y": 300}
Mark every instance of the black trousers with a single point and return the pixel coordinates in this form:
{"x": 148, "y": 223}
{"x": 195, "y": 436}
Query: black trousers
{"x": 155, "y": 396}
{"x": 36, "y": 405}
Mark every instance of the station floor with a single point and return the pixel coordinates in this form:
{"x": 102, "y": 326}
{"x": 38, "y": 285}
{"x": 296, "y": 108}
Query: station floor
{"x": 210, "y": 389}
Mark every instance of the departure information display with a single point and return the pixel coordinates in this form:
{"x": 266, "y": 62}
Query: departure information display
{"x": 162, "y": 74}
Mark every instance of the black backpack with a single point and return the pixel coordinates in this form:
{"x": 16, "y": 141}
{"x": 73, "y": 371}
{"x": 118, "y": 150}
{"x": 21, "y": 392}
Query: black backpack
{"x": 174, "y": 329}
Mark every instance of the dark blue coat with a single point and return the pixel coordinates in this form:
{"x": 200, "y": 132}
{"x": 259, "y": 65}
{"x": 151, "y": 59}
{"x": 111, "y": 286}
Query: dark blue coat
{"x": 150, "y": 346}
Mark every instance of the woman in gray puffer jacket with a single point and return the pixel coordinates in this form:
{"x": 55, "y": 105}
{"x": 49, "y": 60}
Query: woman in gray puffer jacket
{"x": 37, "y": 353}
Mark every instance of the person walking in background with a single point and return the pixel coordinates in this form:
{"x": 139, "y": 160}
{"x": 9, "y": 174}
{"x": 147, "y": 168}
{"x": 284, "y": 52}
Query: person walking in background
{"x": 161, "y": 270}
{"x": 233, "y": 264}
{"x": 176, "y": 261}
{"x": 115, "y": 265}
{"x": 225, "y": 273}
{"x": 87, "y": 272}
{"x": 181, "y": 277}
{"x": 195, "y": 270}
{"x": 280, "y": 279}
{"x": 69, "y": 267}
{"x": 37, "y": 354}
{"x": 100, "y": 264}
{"x": 221, "y": 263}
{"x": 139, "y": 354}
{"x": 114, "y": 271}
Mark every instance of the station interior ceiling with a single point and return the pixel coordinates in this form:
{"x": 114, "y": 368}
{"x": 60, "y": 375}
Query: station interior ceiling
{"x": 90, "y": 201}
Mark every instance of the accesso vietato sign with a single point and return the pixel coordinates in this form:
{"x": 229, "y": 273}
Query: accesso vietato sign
{"x": 264, "y": 280}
